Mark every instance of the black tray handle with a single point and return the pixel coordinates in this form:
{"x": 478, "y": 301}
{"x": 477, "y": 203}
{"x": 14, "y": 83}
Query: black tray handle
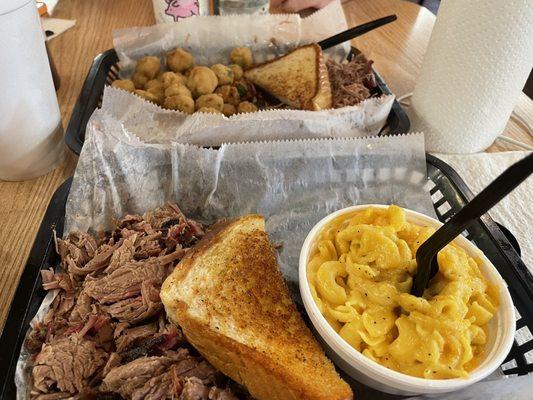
{"x": 88, "y": 100}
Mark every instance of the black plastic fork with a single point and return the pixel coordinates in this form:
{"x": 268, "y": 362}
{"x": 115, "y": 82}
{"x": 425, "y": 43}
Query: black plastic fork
{"x": 426, "y": 256}
{"x": 356, "y": 31}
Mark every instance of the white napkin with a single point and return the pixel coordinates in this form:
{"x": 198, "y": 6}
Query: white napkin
{"x": 514, "y": 211}
{"x": 56, "y": 25}
{"x": 516, "y": 388}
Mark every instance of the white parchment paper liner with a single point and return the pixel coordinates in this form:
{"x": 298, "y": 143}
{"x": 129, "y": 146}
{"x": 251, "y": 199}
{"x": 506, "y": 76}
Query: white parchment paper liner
{"x": 292, "y": 183}
{"x": 210, "y": 39}
{"x": 152, "y": 124}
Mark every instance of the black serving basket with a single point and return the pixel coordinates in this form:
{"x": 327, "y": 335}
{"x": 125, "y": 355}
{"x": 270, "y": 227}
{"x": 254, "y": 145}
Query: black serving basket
{"x": 449, "y": 194}
{"x": 105, "y": 70}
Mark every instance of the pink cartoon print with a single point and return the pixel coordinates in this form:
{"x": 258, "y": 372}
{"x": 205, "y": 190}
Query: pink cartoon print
{"x": 182, "y": 8}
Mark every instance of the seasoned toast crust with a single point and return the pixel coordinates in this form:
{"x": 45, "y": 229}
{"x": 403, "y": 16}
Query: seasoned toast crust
{"x": 297, "y": 90}
{"x": 242, "y": 318}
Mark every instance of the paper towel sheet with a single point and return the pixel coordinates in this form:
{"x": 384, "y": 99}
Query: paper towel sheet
{"x": 516, "y": 388}
{"x": 516, "y": 210}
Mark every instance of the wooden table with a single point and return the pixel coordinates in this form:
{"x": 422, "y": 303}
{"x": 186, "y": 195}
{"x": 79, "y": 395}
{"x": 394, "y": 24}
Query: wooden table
{"x": 397, "y": 50}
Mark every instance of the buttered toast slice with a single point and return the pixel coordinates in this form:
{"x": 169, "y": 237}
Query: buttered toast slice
{"x": 229, "y": 297}
{"x": 298, "y": 79}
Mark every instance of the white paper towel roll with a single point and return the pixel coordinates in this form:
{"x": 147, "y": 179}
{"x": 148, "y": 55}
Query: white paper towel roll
{"x": 478, "y": 59}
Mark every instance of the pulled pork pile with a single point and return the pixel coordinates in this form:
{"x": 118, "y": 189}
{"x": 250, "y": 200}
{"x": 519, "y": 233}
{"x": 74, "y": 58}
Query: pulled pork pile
{"x": 106, "y": 334}
{"x": 350, "y": 82}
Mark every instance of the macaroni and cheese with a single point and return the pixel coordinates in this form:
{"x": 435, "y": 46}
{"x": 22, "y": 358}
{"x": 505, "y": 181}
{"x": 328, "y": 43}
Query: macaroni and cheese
{"x": 360, "y": 272}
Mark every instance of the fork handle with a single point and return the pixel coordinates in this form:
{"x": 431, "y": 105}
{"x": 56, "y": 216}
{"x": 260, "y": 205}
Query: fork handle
{"x": 354, "y": 32}
{"x": 479, "y": 205}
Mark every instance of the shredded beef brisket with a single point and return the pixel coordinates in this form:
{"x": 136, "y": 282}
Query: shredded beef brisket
{"x": 194, "y": 389}
{"x": 127, "y": 378}
{"x": 351, "y": 82}
{"x": 221, "y": 394}
{"x": 105, "y": 335}
{"x": 132, "y": 336}
{"x": 53, "y": 396}
{"x": 76, "y": 250}
{"x": 67, "y": 364}
{"x": 126, "y": 280}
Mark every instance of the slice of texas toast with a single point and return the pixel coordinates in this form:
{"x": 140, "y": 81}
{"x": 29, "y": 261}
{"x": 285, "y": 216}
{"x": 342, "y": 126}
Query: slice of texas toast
{"x": 231, "y": 301}
{"x": 298, "y": 79}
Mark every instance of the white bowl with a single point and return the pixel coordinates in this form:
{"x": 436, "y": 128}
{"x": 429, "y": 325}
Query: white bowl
{"x": 356, "y": 365}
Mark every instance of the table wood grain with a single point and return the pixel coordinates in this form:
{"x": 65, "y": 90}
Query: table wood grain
{"x": 396, "y": 49}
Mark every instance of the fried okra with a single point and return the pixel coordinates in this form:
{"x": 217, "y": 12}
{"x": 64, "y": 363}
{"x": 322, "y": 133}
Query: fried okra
{"x": 180, "y": 102}
{"x": 228, "y": 110}
{"x": 224, "y": 74}
{"x": 209, "y": 110}
{"x": 177, "y": 89}
{"x": 149, "y": 66}
{"x": 237, "y": 71}
{"x": 179, "y": 60}
{"x": 139, "y": 80}
{"x": 210, "y": 101}
{"x": 242, "y": 56}
{"x": 124, "y": 84}
{"x": 168, "y": 78}
{"x": 246, "y": 107}
{"x": 229, "y": 94}
{"x": 201, "y": 81}
{"x": 147, "y": 96}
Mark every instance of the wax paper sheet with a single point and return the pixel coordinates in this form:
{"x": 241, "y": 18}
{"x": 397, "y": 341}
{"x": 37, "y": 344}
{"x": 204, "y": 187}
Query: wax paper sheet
{"x": 292, "y": 183}
{"x": 210, "y": 39}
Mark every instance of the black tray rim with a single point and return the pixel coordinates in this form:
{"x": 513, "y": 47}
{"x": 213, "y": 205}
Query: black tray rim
{"x": 397, "y": 121}
{"x": 17, "y": 323}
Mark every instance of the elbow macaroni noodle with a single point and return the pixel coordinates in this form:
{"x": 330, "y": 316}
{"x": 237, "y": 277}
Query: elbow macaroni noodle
{"x": 360, "y": 274}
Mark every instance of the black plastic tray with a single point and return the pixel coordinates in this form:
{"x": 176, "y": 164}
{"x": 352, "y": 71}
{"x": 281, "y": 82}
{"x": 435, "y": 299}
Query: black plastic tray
{"x": 105, "y": 69}
{"x": 449, "y": 194}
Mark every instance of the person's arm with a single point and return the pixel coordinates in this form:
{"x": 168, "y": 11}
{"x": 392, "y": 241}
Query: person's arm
{"x": 298, "y": 5}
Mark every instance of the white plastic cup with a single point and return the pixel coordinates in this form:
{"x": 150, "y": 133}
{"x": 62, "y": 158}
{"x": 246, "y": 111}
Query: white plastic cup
{"x": 31, "y": 134}
{"x": 359, "y": 367}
